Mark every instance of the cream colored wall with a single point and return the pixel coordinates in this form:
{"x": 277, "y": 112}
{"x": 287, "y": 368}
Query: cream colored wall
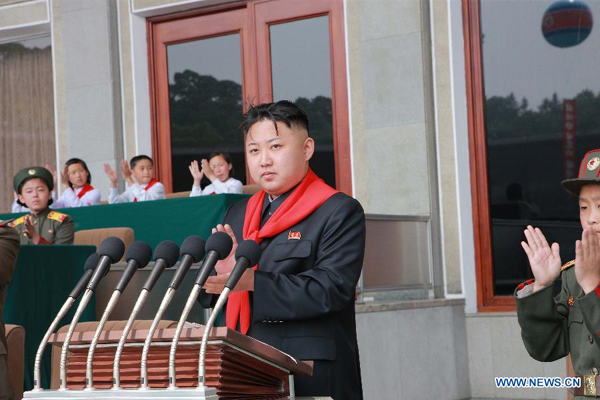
{"x": 446, "y": 146}
{"x": 127, "y": 85}
{"x": 389, "y": 136}
{"x": 87, "y": 85}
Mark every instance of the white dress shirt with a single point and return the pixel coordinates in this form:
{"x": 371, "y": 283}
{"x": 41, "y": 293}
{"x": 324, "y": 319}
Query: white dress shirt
{"x": 231, "y": 185}
{"x": 70, "y": 198}
{"x": 136, "y": 192}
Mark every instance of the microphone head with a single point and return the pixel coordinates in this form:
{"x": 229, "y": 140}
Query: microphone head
{"x": 221, "y": 243}
{"x": 193, "y": 246}
{"x": 113, "y": 248}
{"x": 249, "y": 249}
{"x": 91, "y": 262}
{"x": 140, "y": 252}
{"x": 168, "y": 251}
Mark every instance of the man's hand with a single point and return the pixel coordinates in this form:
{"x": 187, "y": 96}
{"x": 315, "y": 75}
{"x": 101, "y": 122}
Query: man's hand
{"x": 587, "y": 260}
{"x": 543, "y": 259}
{"x": 30, "y": 230}
{"x": 126, "y": 171}
{"x": 226, "y": 266}
{"x": 208, "y": 170}
{"x": 216, "y": 284}
{"x": 112, "y": 175}
{"x": 196, "y": 172}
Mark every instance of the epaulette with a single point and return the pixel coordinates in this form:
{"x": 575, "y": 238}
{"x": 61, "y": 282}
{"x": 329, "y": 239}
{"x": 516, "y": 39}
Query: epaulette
{"x": 568, "y": 265}
{"x": 16, "y": 222}
{"x": 56, "y": 216}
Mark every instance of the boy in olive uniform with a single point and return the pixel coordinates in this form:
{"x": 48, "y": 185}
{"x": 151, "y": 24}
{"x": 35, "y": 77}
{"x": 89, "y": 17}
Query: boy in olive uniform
{"x": 553, "y": 327}
{"x": 42, "y": 225}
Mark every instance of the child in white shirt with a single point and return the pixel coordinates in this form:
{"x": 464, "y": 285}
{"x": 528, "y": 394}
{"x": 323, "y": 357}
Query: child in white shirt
{"x": 218, "y": 168}
{"x": 141, "y": 184}
{"x": 76, "y": 180}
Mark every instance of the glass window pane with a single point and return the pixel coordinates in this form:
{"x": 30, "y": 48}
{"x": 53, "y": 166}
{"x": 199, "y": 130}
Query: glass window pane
{"x": 205, "y": 95}
{"x": 301, "y": 72}
{"x": 27, "y": 114}
{"x": 542, "y": 96}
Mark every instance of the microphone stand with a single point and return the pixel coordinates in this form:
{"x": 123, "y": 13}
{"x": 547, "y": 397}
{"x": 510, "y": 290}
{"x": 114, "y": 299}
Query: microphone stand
{"x": 37, "y": 376}
{"x": 136, "y": 309}
{"x": 211, "y": 321}
{"x": 63, "y": 354}
{"x": 184, "y": 315}
{"x": 109, "y": 308}
{"x": 161, "y": 310}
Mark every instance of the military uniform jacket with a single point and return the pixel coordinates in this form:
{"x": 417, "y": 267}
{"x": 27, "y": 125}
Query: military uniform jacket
{"x": 304, "y": 292}
{"x": 552, "y": 327}
{"x": 52, "y": 226}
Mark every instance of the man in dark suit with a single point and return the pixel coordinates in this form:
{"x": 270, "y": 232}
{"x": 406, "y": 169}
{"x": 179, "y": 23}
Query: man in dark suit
{"x": 9, "y": 249}
{"x": 300, "y": 298}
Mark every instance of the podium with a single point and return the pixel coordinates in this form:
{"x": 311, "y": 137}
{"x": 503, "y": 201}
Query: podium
{"x": 237, "y": 366}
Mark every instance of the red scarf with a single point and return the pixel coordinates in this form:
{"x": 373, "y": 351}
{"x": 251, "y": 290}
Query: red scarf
{"x": 86, "y": 188}
{"x": 152, "y": 182}
{"x": 306, "y": 198}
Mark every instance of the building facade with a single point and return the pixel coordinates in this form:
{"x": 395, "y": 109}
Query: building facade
{"x": 447, "y": 119}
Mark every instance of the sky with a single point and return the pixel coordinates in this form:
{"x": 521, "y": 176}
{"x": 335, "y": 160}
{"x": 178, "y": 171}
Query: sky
{"x": 518, "y": 59}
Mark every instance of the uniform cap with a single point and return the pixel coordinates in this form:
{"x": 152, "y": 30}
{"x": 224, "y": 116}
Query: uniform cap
{"x": 33, "y": 172}
{"x": 589, "y": 172}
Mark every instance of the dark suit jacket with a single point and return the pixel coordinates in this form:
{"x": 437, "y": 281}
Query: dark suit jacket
{"x": 303, "y": 299}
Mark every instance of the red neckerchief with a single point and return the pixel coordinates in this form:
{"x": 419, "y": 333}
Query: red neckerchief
{"x": 86, "y": 188}
{"x": 306, "y": 198}
{"x": 152, "y": 182}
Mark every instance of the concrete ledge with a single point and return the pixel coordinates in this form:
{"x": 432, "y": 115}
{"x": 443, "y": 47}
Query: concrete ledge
{"x": 407, "y": 305}
{"x": 25, "y": 14}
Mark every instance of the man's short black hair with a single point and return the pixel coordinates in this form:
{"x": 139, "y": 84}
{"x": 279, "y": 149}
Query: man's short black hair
{"x": 136, "y": 159}
{"x": 283, "y": 111}
{"x": 84, "y": 165}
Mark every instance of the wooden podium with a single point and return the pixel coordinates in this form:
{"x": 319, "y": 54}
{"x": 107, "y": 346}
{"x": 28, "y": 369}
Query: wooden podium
{"x": 237, "y": 366}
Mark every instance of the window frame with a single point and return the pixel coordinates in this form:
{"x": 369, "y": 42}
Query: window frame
{"x": 256, "y": 70}
{"x": 487, "y": 301}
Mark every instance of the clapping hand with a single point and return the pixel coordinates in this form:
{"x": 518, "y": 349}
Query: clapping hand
{"x": 30, "y": 230}
{"x": 215, "y": 284}
{"x": 112, "y": 175}
{"x": 52, "y": 171}
{"x": 64, "y": 177}
{"x": 196, "y": 172}
{"x": 208, "y": 170}
{"x": 544, "y": 260}
{"x": 587, "y": 260}
{"x": 126, "y": 171}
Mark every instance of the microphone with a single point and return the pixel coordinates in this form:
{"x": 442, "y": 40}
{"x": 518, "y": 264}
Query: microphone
{"x": 192, "y": 250}
{"x": 90, "y": 265}
{"x": 138, "y": 255}
{"x": 165, "y": 254}
{"x": 110, "y": 251}
{"x": 246, "y": 255}
{"x": 218, "y": 247}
